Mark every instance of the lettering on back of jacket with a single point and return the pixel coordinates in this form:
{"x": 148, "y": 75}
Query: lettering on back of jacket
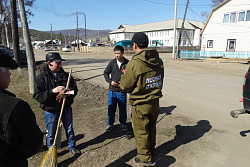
{"x": 153, "y": 82}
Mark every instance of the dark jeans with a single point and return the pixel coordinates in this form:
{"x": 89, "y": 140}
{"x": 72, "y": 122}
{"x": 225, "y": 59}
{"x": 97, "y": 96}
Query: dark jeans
{"x": 115, "y": 98}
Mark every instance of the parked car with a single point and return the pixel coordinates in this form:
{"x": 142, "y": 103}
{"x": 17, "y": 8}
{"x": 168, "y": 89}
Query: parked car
{"x": 46, "y": 49}
{"x": 66, "y": 48}
{"x": 245, "y": 99}
{"x": 54, "y": 48}
{"x": 2, "y": 50}
{"x": 23, "y": 56}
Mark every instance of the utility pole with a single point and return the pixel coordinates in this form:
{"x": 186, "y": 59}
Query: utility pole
{"x": 175, "y": 25}
{"x": 14, "y": 28}
{"x": 85, "y": 28}
{"x": 77, "y": 30}
{"x": 28, "y": 46}
{"x": 51, "y": 34}
{"x": 182, "y": 26}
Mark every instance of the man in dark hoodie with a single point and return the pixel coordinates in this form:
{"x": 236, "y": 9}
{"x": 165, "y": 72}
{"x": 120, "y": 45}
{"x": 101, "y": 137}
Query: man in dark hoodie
{"x": 48, "y": 84}
{"x": 116, "y": 68}
{"x": 143, "y": 80}
{"x": 20, "y": 136}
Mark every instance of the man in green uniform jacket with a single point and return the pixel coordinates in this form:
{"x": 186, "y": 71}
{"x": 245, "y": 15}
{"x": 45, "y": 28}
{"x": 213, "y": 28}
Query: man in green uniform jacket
{"x": 143, "y": 79}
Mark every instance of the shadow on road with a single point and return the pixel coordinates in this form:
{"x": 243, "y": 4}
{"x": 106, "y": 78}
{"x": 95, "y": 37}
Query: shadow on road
{"x": 184, "y": 135}
{"x": 92, "y": 77}
{"x": 166, "y": 110}
{"x": 85, "y": 61}
{"x": 243, "y": 133}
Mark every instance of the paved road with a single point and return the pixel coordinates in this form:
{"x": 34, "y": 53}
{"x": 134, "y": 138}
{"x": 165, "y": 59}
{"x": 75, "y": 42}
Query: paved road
{"x": 199, "y": 91}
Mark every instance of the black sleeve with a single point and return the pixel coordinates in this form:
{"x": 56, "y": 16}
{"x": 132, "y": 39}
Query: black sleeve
{"x": 107, "y": 72}
{"x": 41, "y": 94}
{"x": 23, "y": 133}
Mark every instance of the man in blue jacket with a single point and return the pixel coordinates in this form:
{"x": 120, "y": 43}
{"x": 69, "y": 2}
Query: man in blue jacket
{"x": 116, "y": 68}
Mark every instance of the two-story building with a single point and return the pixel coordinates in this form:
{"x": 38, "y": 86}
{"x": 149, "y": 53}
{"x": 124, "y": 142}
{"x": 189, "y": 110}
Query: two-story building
{"x": 160, "y": 33}
{"x": 227, "y": 27}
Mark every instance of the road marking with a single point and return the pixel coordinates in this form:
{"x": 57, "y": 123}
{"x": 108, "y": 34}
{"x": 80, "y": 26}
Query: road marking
{"x": 191, "y": 82}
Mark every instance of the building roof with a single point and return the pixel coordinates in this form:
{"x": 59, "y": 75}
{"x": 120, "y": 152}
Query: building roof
{"x": 210, "y": 15}
{"x": 158, "y": 26}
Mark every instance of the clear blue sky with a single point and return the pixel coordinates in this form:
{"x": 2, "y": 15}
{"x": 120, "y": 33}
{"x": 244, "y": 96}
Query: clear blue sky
{"x": 109, "y": 14}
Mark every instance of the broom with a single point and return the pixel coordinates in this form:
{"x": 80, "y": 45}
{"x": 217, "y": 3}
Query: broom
{"x": 50, "y": 158}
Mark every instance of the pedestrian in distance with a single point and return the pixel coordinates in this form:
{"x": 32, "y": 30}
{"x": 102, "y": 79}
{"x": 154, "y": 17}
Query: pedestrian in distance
{"x": 51, "y": 81}
{"x": 143, "y": 80}
{"x": 20, "y": 136}
{"x": 112, "y": 74}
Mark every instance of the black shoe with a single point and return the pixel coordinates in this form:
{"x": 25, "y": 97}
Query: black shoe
{"x": 124, "y": 128}
{"x": 75, "y": 151}
{"x": 109, "y": 128}
{"x": 138, "y": 161}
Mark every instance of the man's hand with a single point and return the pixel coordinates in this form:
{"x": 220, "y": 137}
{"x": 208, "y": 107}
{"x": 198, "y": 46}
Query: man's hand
{"x": 113, "y": 83}
{"x": 58, "y": 89}
{"x": 61, "y": 96}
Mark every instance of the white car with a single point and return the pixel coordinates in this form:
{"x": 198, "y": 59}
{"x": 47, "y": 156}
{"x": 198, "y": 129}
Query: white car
{"x": 66, "y": 48}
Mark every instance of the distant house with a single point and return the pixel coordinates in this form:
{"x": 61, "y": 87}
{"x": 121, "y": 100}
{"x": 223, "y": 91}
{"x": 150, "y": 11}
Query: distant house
{"x": 228, "y": 27}
{"x": 160, "y": 33}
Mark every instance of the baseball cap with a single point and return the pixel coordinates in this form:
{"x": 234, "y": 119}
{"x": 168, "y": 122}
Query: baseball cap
{"x": 7, "y": 61}
{"x": 54, "y": 56}
{"x": 140, "y": 38}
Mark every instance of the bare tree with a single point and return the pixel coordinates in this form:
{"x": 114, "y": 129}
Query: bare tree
{"x": 5, "y": 17}
{"x": 215, "y": 3}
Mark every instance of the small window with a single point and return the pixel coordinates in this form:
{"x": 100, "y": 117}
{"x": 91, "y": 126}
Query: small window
{"x": 248, "y": 16}
{"x": 184, "y": 43}
{"x": 231, "y": 44}
{"x": 233, "y": 17}
{"x": 226, "y": 18}
{"x": 241, "y": 16}
{"x": 210, "y": 43}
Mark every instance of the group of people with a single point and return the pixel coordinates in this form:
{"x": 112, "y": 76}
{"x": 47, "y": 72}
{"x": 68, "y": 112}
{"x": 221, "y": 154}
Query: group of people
{"x": 141, "y": 77}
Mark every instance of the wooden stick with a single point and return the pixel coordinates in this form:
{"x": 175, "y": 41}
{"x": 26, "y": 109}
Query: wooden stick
{"x": 62, "y": 108}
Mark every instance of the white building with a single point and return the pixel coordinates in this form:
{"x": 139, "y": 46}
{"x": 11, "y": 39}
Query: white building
{"x": 228, "y": 27}
{"x": 161, "y": 33}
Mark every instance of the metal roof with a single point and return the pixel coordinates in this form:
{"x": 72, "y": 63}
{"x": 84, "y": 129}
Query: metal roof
{"x": 158, "y": 26}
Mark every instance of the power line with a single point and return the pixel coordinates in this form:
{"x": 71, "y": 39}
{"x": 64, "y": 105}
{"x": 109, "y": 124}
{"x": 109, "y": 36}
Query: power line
{"x": 68, "y": 5}
{"x": 196, "y": 13}
{"x": 60, "y": 6}
{"x": 161, "y": 3}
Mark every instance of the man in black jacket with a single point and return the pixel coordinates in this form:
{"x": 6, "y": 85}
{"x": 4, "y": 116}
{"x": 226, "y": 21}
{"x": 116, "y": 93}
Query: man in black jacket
{"x": 48, "y": 84}
{"x": 116, "y": 68}
{"x": 20, "y": 136}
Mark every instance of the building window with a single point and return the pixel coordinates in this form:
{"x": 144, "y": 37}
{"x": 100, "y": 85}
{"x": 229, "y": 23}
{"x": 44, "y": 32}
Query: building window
{"x": 184, "y": 43}
{"x": 226, "y": 18}
{"x": 231, "y": 44}
{"x": 241, "y": 16}
{"x": 210, "y": 43}
{"x": 248, "y": 16}
{"x": 233, "y": 17}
